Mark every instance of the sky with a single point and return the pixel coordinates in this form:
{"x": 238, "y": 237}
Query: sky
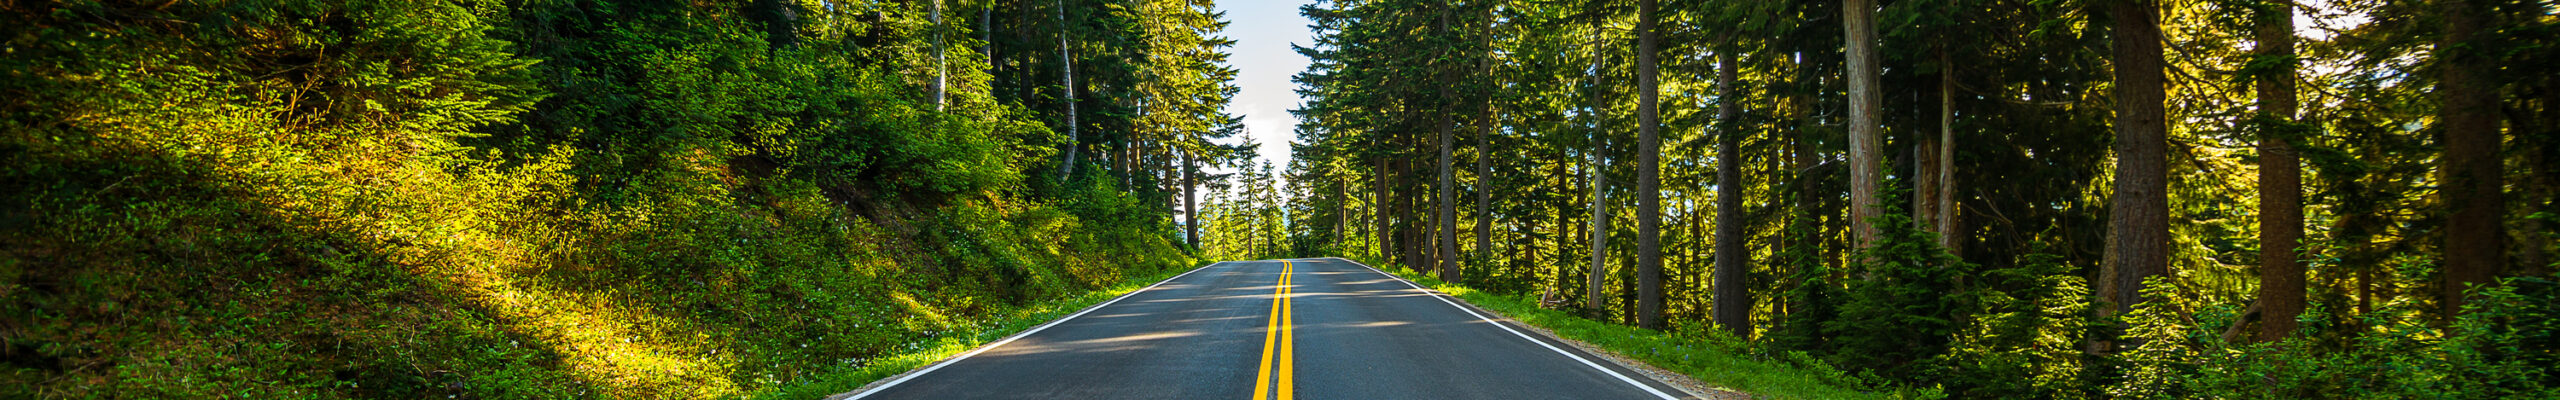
{"x": 1263, "y": 30}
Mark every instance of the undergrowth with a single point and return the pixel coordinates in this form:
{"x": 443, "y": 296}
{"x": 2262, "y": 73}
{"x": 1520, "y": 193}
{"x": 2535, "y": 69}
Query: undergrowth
{"x": 1712, "y": 358}
{"x": 283, "y": 199}
{"x": 922, "y": 354}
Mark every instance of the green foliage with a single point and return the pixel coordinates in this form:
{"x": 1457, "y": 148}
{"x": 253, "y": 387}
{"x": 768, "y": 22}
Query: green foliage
{"x": 1713, "y": 357}
{"x": 1903, "y": 302}
{"x": 2500, "y": 349}
{"x": 545, "y": 199}
{"x": 2031, "y": 323}
{"x": 1907, "y": 311}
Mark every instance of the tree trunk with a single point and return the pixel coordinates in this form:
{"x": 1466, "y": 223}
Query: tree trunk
{"x": 2280, "y": 275}
{"x": 941, "y": 63}
{"x": 2138, "y": 213}
{"x": 1416, "y": 233}
{"x": 1946, "y": 146}
{"x": 1648, "y": 173}
{"x": 2472, "y": 188}
{"x": 1446, "y": 214}
{"x": 1800, "y": 153}
{"x": 1378, "y": 212}
{"x": 1599, "y": 184}
{"x": 1342, "y": 214}
{"x": 1565, "y": 234}
{"x": 1733, "y": 295}
{"x": 1484, "y": 189}
{"x": 1924, "y": 183}
{"x": 1067, "y": 69}
{"x": 1190, "y": 202}
{"x": 1484, "y": 168}
{"x": 1866, "y": 168}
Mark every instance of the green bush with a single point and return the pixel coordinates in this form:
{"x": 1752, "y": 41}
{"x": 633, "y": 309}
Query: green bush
{"x": 542, "y": 199}
{"x": 2501, "y": 348}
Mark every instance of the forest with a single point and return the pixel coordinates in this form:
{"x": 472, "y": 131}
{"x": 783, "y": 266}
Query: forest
{"x": 410, "y": 199}
{"x": 1961, "y": 198}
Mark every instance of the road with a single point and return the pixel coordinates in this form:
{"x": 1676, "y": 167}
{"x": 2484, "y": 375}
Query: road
{"x": 1335, "y": 330}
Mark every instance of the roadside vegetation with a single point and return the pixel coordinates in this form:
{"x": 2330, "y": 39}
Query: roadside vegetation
{"x": 1710, "y": 357}
{"x": 283, "y": 199}
{"x": 925, "y": 354}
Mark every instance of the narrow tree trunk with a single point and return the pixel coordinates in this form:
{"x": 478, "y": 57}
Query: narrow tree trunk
{"x": 1866, "y": 98}
{"x": 2138, "y": 214}
{"x": 2471, "y": 189}
{"x": 1599, "y": 233}
{"x": 1924, "y": 183}
{"x": 941, "y": 64}
{"x": 1067, "y": 71}
{"x": 1565, "y": 234}
{"x": 1733, "y": 295}
{"x": 1946, "y": 202}
{"x": 1416, "y": 233}
{"x": 1484, "y": 190}
{"x": 1447, "y": 211}
{"x": 1378, "y": 212}
{"x": 2280, "y": 275}
{"x": 1484, "y": 170}
{"x": 1924, "y": 178}
{"x": 1342, "y": 214}
{"x": 1599, "y": 184}
{"x": 1807, "y": 211}
{"x": 1190, "y": 202}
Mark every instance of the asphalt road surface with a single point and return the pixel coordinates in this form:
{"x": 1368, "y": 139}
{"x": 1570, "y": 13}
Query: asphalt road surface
{"x": 1333, "y": 330}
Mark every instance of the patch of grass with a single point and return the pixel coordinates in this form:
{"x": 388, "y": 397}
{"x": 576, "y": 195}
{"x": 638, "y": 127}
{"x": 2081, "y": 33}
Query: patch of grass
{"x": 919, "y": 355}
{"x": 1715, "y": 359}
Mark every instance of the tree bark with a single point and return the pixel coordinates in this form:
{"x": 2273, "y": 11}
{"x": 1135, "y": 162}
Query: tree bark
{"x": 2472, "y": 188}
{"x": 1648, "y": 172}
{"x": 1866, "y": 168}
{"x": 1446, "y": 212}
{"x": 2138, "y": 213}
{"x": 2280, "y": 275}
{"x": 1342, "y": 213}
{"x": 1484, "y": 189}
{"x": 1417, "y": 234}
{"x": 1800, "y": 152}
{"x": 1599, "y": 183}
{"x": 1484, "y": 155}
{"x": 1067, "y": 69}
{"x": 1378, "y": 212}
{"x": 1948, "y": 233}
{"x": 1733, "y": 295}
{"x": 941, "y": 63}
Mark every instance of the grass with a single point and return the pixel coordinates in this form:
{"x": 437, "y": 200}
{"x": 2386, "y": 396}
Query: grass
{"x": 1721, "y": 361}
{"x": 935, "y": 350}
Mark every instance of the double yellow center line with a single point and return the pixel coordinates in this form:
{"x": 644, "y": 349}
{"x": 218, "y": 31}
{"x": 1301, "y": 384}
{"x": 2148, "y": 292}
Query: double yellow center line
{"x": 1279, "y": 331}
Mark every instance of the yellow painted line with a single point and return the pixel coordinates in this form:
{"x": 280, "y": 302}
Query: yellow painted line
{"x": 1280, "y": 331}
{"x": 1288, "y": 330}
{"x": 1270, "y": 332}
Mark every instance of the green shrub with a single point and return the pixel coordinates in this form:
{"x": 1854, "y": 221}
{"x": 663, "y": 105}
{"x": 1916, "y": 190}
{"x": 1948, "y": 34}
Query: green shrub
{"x": 2500, "y": 348}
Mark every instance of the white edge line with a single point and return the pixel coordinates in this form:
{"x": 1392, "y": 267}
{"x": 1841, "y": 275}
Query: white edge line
{"x": 1507, "y": 328}
{"x": 1036, "y": 329}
